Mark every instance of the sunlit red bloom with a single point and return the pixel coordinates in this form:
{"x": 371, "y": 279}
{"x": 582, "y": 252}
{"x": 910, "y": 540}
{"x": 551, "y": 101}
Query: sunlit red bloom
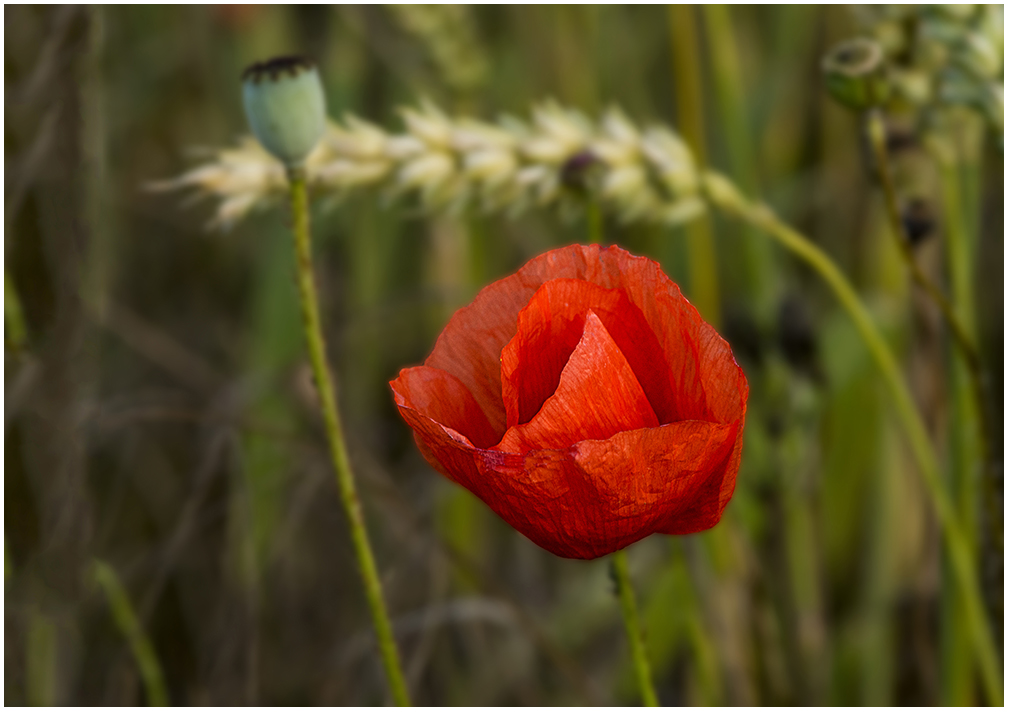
{"x": 585, "y": 401}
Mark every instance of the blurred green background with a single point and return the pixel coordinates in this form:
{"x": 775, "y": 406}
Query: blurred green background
{"x": 160, "y": 415}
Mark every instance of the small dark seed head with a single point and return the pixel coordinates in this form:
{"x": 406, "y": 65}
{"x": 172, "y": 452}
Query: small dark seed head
{"x": 574, "y": 172}
{"x": 919, "y": 221}
{"x": 900, "y": 139}
{"x": 276, "y": 67}
{"x": 796, "y": 336}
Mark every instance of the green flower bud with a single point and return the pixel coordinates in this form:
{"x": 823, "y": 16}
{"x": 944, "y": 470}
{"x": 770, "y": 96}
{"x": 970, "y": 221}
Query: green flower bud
{"x": 285, "y": 106}
{"x": 855, "y": 74}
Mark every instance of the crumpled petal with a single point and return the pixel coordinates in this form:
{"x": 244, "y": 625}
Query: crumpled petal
{"x": 549, "y": 327}
{"x": 444, "y": 399}
{"x": 658, "y": 475}
{"x": 597, "y": 396}
{"x": 596, "y": 497}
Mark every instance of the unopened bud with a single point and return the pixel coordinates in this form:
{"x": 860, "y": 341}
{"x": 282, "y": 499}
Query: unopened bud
{"x": 855, "y": 74}
{"x": 285, "y": 106}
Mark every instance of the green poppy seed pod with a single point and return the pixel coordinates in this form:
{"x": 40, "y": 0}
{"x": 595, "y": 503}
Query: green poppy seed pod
{"x": 855, "y": 74}
{"x": 285, "y": 106}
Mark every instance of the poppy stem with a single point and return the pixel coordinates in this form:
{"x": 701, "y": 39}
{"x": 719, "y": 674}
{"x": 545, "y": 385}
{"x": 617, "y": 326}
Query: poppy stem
{"x": 334, "y": 433}
{"x": 594, "y": 216}
{"x": 722, "y": 193}
{"x": 622, "y": 577}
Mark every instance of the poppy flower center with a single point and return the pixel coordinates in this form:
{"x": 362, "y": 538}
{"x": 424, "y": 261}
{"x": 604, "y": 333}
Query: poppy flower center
{"x": 550, "y": 327}
{"x": 568, "y": 374}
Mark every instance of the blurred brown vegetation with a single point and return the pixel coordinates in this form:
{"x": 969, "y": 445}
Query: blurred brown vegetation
{"x": 159, "y": 414}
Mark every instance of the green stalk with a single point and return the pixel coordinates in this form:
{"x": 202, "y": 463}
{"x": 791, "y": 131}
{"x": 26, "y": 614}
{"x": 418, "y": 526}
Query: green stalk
{"x": 759, "y": 266}
{"x": 14, "y": 316}
{"x": 622, "y": 577}
{"x": 971, "y": 429}
{"x": 879, "y": 588}
{"x": 690, "y": 114}
{"x": 594, "y": 218}
{"x": 40, "y": 660}
{"x": 961, "y": 337}
{"x": 960, "y": 259}
{"x": 957, "y": 662}
{"x": 334, "y": 433}
{"x": 724, "y": 195}
{"x": 129, "y": 625}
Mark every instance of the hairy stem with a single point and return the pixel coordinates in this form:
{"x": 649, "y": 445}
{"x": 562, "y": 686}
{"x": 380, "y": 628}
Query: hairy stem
{"x": 642, "y": 668}
{"x": 334, "y": 433}
{"x": 724, "y": 195}
{"x": 129, "y": 625}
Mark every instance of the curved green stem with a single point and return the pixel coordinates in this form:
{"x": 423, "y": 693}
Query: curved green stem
{"x": 334, "y": 433}
{"x": 724, "y": 195}
{"x": 129, "y": 625}
{"x": 642, "y": 668}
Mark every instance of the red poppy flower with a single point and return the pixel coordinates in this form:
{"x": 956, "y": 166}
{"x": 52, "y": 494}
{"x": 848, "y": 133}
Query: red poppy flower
{"x": 585, "y": 401}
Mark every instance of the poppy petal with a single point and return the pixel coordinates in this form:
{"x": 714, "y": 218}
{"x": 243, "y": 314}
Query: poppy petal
{"x": 445, "y": 449}
{"x": 708, "y": 383}
{"x": 470, "y": 345}
{"x": 444, "y": 399}
{"x": 657, "y": 476}
{"x": 600, "y": 496}
{"x": 550, "y": 326}
{"x": 711, "y": 498}
{"x": 597, "y": 396}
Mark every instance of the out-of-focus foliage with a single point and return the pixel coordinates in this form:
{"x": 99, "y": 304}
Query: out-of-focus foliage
{"x": 943, "y": 55}
{"x": 159, "y": 411}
